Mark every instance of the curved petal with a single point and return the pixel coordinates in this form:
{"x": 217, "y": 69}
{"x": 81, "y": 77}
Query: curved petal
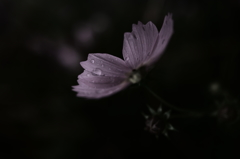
{"x": 106, "y": 65}
{"x": 97, "y": 81}
{"x": 162, "y": 40}
{"x": 94, "y": 93}
{"x": 138, "y": 44}
{"x": 104, "y": 75}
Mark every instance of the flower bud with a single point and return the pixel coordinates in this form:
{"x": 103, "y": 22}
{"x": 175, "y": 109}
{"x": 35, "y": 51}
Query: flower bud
{"x": 156, "y": 124}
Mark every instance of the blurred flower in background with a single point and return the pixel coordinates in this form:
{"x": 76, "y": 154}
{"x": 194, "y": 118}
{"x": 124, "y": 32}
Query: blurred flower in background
{"x": 227, "y": 107}
{"x": 86, "y": 33}
{"x": 68, "y": 57}
{"x": 228, "y": 112}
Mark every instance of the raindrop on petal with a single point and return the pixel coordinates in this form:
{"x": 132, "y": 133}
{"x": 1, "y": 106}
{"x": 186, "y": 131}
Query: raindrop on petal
{"x": 97, "y": 71}
{"x": 92, "y": 61}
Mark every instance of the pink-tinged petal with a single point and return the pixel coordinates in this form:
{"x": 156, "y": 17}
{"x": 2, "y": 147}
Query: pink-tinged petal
{"x": 138, "y": 44}
{"x": 98, "y": 81}
{"x": 106, "y": 65}
{"x": 162, "y": 40}
{"x": 93, "y": 93}
{"x": 104, "y": 75}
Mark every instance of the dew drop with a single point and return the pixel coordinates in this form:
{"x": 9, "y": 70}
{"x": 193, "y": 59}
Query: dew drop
{"x": 97, "y": 71}
{"x": 127, "y": 58}
{"x": 92, "y": 61}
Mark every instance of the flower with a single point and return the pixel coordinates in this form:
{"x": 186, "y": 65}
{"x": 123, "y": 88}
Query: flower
{"x": 105, "y": 74}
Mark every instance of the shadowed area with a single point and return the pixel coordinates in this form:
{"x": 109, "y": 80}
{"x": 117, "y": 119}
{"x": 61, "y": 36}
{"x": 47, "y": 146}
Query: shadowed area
{"x": 42, "y": 43}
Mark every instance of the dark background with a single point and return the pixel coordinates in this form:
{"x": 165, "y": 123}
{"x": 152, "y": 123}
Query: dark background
{"x": 42, "y": 43}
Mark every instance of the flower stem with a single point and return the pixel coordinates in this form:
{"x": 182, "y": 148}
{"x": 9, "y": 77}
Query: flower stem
{"x": 189, "y": 112}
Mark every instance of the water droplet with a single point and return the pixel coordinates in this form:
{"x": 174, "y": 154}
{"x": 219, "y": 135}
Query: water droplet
{"x": 127, "y": 58}
{"x": 97, "y": 71}
{"x": 92, "y": 61}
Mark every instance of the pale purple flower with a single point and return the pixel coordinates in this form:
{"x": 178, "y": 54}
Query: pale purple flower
{"x": 105, "y": 74}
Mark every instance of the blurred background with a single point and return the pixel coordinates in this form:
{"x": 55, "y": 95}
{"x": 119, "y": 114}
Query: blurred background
{"x": 42, "y": 43}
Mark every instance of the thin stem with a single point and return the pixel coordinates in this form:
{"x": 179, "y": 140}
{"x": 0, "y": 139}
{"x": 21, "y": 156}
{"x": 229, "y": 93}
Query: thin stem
{"x": 189, "y": 112}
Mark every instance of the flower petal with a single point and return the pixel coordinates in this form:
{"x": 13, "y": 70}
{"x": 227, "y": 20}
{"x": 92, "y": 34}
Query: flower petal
{"x": 138, "y": 44}
{"x": 162, "y": 40}
{"x": 106, "y": 65}
{"x": 95, "y": 93}
{"x": 98, "y": 81}
{"x": 104, "y": 75}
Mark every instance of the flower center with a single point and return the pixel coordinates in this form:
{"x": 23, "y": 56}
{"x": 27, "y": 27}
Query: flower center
{"x": 135, "y": 77}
